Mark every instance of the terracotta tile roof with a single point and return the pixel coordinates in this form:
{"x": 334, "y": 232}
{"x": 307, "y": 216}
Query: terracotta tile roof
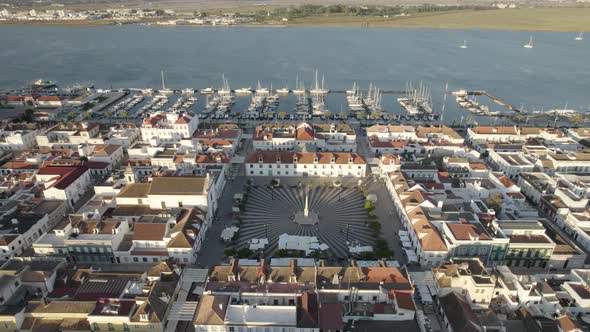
{"x": 183, "y": 120}
{"x": 185, "y": 232}
{"x": 466, "y": 232}
{"x": 149, "y": 232}
{"x": 429, "y": 237}
{"x": 304, "y": 133}
{"x": 185, "y": 185}
{"x": 66, "y": 175}
{"x": 135, "y": 190}
{"x": 488, "y": 130}
{"x": 331, "y": 317}
{"x": 478, "y": 166}
{"x": 506, "y": 181}
{"x": 566, "y": 324}
{"x": 105, "y": 150}
{"x": 211, "y": 142}
{"x": 6, "y": 240}
{"x": 211, "y": 310}
{"x": 48, "y": 98}
{"x": 376, "y": 143}
{"x": 212, "y": 158}
{"x": 217, "y": 134}
{"x": 19, "y": 165}
{"x": 424, "y": 132}
{"x": 385, "y": 275}
{"x": 404, "y": 300}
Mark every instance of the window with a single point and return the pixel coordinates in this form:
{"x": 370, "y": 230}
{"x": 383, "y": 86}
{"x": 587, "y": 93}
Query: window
{"x": 111, "y": 327}
{"x": 145, "y": 259}
{"x": 95, "y": 327}
{"x": 155, "y": 260}
{"x": 135, "y": 259}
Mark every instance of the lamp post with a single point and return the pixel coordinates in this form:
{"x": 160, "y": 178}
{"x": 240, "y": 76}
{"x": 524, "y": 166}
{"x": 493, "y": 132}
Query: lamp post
{"x": 347, "y": 228}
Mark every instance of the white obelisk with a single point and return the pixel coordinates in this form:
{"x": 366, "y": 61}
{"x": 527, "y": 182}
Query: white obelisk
{"x": 306, "y": 209}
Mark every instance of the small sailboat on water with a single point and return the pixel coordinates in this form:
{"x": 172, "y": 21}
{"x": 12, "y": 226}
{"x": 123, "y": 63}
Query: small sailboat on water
{"x": 580, "y": 36}
{"x": 464, "y": 44}
{"x": 530, "y": 44}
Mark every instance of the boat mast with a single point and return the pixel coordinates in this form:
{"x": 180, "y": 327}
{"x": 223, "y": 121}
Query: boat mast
{"x": 163, "y": 85}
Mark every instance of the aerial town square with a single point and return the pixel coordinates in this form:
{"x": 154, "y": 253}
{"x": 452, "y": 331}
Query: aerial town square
{"x": 289, "y": 166}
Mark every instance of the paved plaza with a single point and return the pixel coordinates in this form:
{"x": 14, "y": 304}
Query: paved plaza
{"x": 341, "y": 216}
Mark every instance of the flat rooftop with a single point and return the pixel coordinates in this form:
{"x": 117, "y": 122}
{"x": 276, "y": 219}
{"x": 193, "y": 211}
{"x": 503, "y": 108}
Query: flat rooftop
{"x": 261, "y": 315}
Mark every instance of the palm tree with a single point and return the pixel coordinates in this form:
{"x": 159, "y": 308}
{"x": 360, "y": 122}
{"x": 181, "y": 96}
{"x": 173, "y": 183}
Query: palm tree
{"x": 327, "y": 114}
{"x": 343, "y": 115}
{"x": 71, "y": 115}
{"x": 282, "y": 115}
{"x": 125, "y": 114}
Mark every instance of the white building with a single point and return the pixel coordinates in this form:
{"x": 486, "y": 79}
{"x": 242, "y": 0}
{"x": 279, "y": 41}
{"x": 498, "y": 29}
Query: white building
{"x": 511, "y": 163}
{"x": 286, "y": 137}
{"x": 169, "y": 127}
{"x": 68, "y": 183}
{"x": 324, "y": 164}
{"x": 18, "y": 136}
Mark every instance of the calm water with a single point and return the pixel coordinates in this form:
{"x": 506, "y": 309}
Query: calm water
{"x": 555, "y": 72}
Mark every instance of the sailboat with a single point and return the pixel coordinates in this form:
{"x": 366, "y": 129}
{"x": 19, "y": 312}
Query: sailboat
{"x": 580, "y": 36}
{"x": 284, "y": 90}
{"x": 530, "y": 44}
{"x": 299, "y": 88}
{"x": 164, "y": 90}
{"x": 464, "y": 44}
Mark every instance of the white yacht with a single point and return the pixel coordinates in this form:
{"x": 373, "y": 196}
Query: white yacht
{"x": 580, "y": 36}
{"x": 464, "y": 44}
{"x": 244, "y": 91}
{"x": 207, "y": 91}
{"x": 530, "y": 44}
{"x": 188, "y": 91}
{"x": 283, "y": 91}
{"x": 261, "y": 90}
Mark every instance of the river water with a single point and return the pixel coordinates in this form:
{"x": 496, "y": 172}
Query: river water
{"x": 555, "y": 72}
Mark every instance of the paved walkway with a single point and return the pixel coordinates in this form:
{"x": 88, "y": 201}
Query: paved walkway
{"x": 390, "y": 223}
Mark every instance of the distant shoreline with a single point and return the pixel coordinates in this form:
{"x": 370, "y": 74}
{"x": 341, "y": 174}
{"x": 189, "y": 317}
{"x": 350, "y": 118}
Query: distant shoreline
{"x": 570, "y": 19}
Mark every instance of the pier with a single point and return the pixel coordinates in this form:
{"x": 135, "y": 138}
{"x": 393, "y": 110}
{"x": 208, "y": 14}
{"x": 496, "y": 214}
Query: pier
{"x": 496, "y": 99}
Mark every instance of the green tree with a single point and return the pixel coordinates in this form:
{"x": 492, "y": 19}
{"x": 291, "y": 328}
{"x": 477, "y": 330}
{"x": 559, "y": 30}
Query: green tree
{"x": 125, "y": 114}
{"x": 282, "y": 115}
{"x": 578, "y": 118}
{"x": 87, "y": 115}
{"x": 72, "y": 115}
{"x": 343, "y": 115}
{"x": 159, "y": 12}
{"x": 495, "y": 202}
{"x": 327, "y": 114}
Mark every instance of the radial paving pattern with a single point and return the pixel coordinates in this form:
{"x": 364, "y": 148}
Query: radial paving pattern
{"x": 271, "y": 214}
